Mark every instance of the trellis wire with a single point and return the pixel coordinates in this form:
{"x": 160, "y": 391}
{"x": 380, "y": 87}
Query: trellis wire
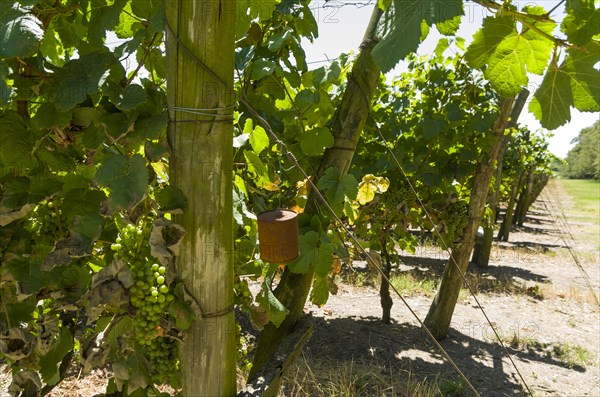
{"x": 371, "y": 261}
{"x": 564, "y": 230}
{"x": 453, "y": 261}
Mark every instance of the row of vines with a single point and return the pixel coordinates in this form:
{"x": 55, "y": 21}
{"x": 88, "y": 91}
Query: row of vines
{"x": 88, "y": 240}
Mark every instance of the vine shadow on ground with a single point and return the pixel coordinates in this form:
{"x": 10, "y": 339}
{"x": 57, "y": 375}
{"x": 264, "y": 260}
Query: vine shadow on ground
{"x": 393, "y": 348}
{"x": 494, "y": 278}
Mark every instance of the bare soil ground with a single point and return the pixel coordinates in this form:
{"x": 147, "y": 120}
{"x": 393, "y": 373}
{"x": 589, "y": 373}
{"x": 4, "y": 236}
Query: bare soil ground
{"x": 533, "y": 293}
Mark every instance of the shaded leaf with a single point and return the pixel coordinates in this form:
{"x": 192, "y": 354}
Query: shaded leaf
{"x": 171, "y": 199}
{"x": 20, "y": 31}
{"x": 49, "y": 362}
{"x": 132, "y": 96}
{"x": 582, "y": 21}
{"x": 262, "y": 68}
{"x": 276, "y": 41}
{"x": 320, "y": 291}
{"x": 402, "y": 27}
{"x": 127, "y": 179}
{"x": 17, "y": 144}
{"x": 183, "y": 314}
{"x": 275, "y": 310}
{"x": 81, "y": 77}
{"x": 337, "y": 189}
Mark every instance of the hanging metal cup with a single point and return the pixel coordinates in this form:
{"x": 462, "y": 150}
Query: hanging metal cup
{"x": 278, "y": 236}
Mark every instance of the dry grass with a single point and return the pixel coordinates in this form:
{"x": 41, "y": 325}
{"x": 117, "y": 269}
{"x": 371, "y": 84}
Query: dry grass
{"x": 357, "y": 379}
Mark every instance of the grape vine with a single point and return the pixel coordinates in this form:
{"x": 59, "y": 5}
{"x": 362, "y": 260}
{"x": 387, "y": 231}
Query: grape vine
{"x": 87, "y": 248}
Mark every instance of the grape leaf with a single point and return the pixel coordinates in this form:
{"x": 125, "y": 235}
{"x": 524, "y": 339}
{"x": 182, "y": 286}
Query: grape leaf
{"x": 262, "y": 68}
{"x": 370, "y": 185}
{"x": 85, "y": 230}
{"x": 132, "y": 96}
{"x": 139, "y": 374}
{"x": 20, "y": 31}
{"x": 80, "y": 77}
{"x": 19, "y": 191}
{"x": 276, "y": 312}
{"x": 574, "y": 83}
{"x": 487, "y": 39}
{"x": 183, "y": 314}
{"x": 337, "y": 189}
{"x": 431, "y": 128}
{"x": 276, "y": 41}
{"x": 508, "y": 54}
{"x": 153, "y": 126}
{"x": 81, "y": 201}
{"x": 402, "y": 27}
{"x": 50, "y": 361}
{"x": 582, "y": 21}
{"x": 258, "y": 139}
{"x": 146, "y": 8}
{"x": 171, "y": 199}
{"x": 127, "y": 179}
{"x": 12, "y": 214}
{"x": 450, "y": 26}
{"x": 441, "y": 46}
{"x": 256, "y": 165}
{"x": 5, "y": 90}
{"x": 314, "y": 142}
{"x": 28, "y": 270}
{"x": 315, "y": 252}
{"x": 16, "y": 311}
{"x": 585, "y": 78}
{"x": 17, "y": 144}
{"x": 320, "y": 291}
{"x": 104, "y": 16}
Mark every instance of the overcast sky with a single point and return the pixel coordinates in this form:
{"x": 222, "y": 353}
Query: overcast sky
{"x": 342, "y": 24}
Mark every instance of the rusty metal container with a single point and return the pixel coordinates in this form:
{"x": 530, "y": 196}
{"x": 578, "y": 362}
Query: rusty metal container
{"x": 278, "y": 236}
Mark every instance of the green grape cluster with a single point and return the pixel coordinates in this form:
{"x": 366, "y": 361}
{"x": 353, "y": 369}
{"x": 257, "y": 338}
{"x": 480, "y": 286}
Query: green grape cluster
{"x": 163, "y": 353}
{"x": 456, "y": 219}
{"x": 45, "y": 219}
{"x": 150, "y": 296}
{"x": 399, "y": 195}
{"x": 244, "y": 348}
{"x": 150, "y": 293}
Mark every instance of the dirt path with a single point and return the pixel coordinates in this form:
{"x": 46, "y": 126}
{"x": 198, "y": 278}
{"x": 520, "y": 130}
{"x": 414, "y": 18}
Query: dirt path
{"x": 550, "y": 323}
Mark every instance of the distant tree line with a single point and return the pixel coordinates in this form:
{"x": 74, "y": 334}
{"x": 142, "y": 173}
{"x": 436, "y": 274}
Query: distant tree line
{"x": 582, "y": 161}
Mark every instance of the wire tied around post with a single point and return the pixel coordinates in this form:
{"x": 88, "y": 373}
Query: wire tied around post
{"x": 205, "y": 112}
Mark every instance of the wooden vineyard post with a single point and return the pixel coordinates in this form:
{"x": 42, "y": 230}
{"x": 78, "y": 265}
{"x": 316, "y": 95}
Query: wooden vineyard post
{"x": 483, "y": 246}
{"x": 442, "y": 308}
{"x": 348, "y": 122}
{"x": 200, "y": 60}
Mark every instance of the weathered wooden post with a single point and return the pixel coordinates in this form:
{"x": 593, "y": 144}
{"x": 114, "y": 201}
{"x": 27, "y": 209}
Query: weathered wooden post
{"x": 200, "y": 60}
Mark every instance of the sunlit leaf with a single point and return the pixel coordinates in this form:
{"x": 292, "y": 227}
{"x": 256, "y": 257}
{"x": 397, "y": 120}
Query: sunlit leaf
{"x": 369, "y": 186}
{"x": 313, "y": 252}
{"x": 314, "y": 142}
